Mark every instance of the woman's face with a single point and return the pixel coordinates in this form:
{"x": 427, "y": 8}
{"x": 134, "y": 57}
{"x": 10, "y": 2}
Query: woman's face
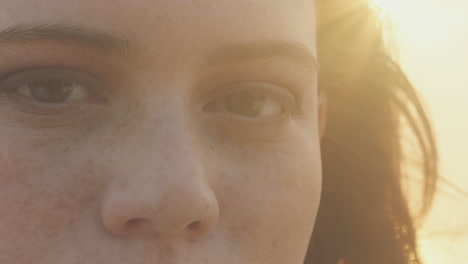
{"x": 158, "y": 131}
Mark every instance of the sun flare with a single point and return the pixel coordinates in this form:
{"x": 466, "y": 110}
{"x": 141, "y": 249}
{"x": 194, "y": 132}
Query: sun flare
{"x": 393, "y": 7}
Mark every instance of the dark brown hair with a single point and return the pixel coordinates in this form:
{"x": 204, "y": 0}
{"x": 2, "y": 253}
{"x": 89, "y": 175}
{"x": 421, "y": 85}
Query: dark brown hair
{"x": 363, "y": 216}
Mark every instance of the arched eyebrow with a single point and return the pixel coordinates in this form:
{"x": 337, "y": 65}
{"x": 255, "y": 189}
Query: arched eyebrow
{"x": 230, "y": 53}
{"x": 226, "y": 53}
{"x": 70, "y": 35}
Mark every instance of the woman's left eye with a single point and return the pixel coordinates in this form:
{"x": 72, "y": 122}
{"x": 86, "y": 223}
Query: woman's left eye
{"x": 250, "y": 101}
{"x": 53, "y": 90}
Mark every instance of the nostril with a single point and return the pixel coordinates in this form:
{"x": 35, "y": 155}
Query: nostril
{"x": 135, "y": 222}
{"x": 194, "y": 225}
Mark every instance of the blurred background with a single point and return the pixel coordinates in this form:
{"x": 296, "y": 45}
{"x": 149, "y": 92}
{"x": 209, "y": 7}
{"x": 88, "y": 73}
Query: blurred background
{"x": 432, "y": 41}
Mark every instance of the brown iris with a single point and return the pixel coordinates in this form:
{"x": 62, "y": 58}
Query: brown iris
{"x": 245, "y": 103}
{"x": 50, "y": 90}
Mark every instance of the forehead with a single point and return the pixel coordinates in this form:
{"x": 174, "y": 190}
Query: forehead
{"x": 174, "y": 24}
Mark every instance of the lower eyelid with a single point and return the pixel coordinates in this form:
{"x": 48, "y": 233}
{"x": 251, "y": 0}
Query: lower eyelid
{"x": 278, "y": 93}
{"x": 230, "y": 119}
{"x": 266, "y": 131}
{"x": 42, "y": 109}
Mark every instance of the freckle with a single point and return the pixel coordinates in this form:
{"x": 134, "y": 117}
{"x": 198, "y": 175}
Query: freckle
{"x": 211, "y": 147}
{"x": 274, "y": 244}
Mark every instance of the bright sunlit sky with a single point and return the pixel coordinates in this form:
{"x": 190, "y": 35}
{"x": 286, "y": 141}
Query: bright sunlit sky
{"x": 432, "y": 36}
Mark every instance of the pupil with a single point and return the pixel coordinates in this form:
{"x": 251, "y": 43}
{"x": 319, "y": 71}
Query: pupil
{"x": 50, "y": 91}
{"x": 245, "y": 103}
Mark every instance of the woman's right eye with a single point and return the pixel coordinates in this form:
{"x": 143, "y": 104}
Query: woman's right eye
{"x": 49, "y": 88}
{"x": 53, "y": 90}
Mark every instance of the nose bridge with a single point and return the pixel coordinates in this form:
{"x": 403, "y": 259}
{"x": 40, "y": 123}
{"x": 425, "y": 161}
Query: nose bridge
{"x": 165, "y": 140}
{"x": 159, "y": 136}
{"x": 163, "y": 186}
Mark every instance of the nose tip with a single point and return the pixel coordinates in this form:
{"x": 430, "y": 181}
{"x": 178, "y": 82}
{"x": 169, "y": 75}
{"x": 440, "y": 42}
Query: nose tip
{"x": 193, "y": 212}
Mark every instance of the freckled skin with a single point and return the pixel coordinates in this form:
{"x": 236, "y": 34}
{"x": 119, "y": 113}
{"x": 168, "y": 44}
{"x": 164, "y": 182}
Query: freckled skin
{"x": 146, "y": 178}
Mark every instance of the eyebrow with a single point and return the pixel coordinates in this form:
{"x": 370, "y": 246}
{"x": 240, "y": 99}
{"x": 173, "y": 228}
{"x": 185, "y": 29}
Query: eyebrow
{"x": 69, "y": 35}
{"x": 227, "y": 53}
{"x": 231, "y": 53}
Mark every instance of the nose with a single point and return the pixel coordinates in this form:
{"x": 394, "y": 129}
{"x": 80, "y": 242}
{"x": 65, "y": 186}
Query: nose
{"x": 161, "y": 191}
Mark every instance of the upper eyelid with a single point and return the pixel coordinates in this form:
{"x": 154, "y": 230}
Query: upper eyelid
{"x": 295, "y": 82}
{"x": 272, "y": 89}
{"x": 26, "y": 70}
{"x": 89, "y": 80}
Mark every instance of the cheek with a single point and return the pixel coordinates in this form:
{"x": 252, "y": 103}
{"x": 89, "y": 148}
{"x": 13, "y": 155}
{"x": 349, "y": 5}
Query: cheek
{"x": 43, "y": 193}
{"x": 269, "y": 200}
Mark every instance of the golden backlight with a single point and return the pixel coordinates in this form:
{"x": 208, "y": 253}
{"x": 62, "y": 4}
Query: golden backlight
{"x": 393, "y": 7}
{"x": 432, "y": 41}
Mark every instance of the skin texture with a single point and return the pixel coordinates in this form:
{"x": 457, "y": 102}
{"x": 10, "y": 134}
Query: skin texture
{"x": 145, "y": 168}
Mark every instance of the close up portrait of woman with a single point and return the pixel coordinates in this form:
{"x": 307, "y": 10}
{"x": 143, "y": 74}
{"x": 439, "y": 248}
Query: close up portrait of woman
{"x": 206, "y": 132}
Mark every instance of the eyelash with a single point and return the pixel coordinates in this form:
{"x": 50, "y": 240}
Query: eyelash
{"x": 9, "y": 90}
